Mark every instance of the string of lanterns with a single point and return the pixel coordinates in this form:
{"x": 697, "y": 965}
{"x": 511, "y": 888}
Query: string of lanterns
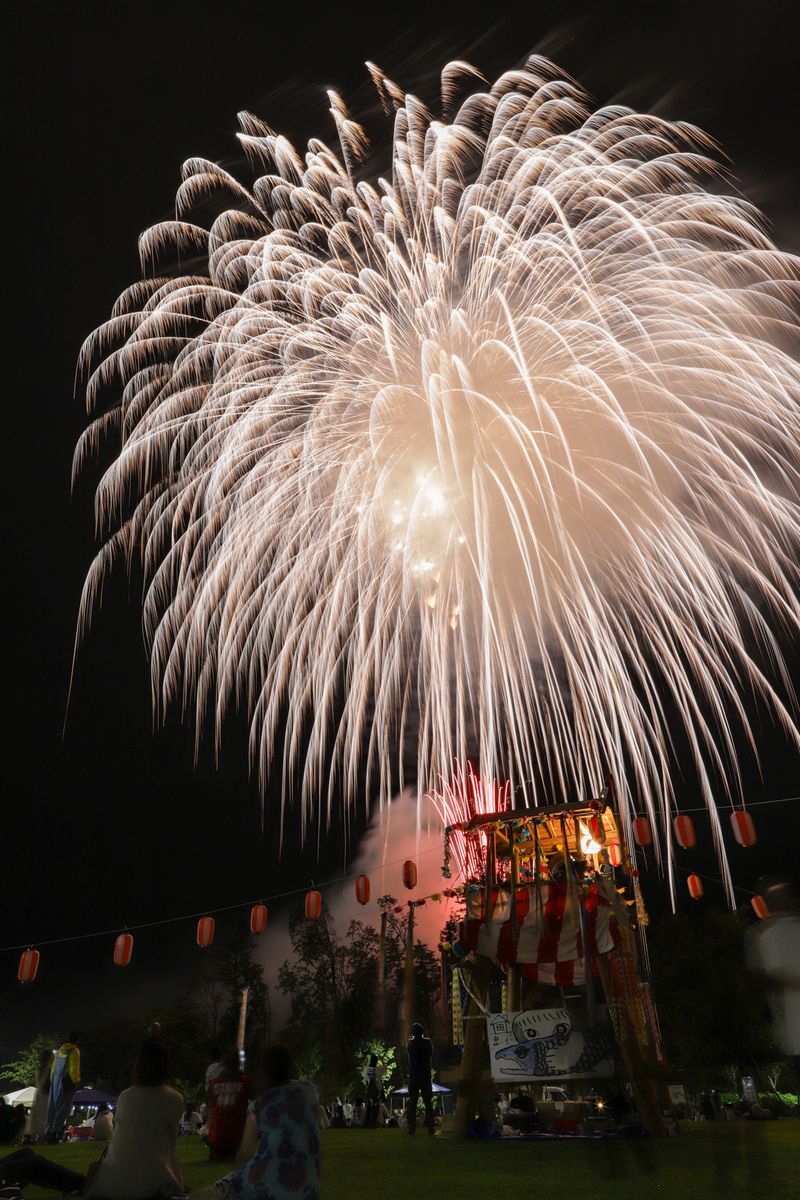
{"x": 683, "y": 829}
{"x": 744, "y": 831}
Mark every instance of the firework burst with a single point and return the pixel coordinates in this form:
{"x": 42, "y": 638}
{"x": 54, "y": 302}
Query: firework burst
{"x": 496, "y": 457}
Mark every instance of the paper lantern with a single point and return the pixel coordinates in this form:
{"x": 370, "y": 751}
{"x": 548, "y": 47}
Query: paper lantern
{"x": 409, "y": 874}
{"x": 362, "y": 889}
{"x": 685, "y": 835}
{"x": 28, "y": 966}
{"x": 123, "y": 949}
{"x": 614, "y": 854}
{"x": 743, "y": 828}
{"x": 313, "y": 905}
{"x": 258, "y": 918}
{"x": 695, "y": 886}
{"x": 760, "y": 907}
{"x": 642, "y": 832}
{"x": 205, "y": 931}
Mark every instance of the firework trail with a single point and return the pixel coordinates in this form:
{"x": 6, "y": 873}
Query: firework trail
{"x": 496, "y": 457}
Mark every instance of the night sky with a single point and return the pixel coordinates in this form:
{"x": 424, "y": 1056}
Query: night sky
{"x": 112, "y": 823}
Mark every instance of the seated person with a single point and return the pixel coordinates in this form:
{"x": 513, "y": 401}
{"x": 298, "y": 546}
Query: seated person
{"x": 141, "y": 1159}
{"x": 358, "y": 1115}
{"x": 11, "y": 1121}
{"x": 190, "y": 1121}
{"x": 228, "y": 1096}
{"x": 103, "y": 1124}
{"x": 279, "y": 1154}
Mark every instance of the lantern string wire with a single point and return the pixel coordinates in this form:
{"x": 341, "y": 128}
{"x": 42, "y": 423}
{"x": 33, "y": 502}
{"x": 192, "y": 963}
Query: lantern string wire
{"x": 80, "y": 937}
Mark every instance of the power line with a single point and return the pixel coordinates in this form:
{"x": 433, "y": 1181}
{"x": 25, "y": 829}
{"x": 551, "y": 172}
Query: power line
{"x": 80, "y": 937}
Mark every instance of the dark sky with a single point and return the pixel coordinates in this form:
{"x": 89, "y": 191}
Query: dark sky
{"x": 112, "y": 823}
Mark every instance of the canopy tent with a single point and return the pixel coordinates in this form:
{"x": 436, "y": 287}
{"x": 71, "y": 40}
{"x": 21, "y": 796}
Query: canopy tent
{"x": 23, "y": 1096}
{"x": 90, "y": 1098}
{"x": 446, "y": 1099}
{"x": 435, "y": 1087}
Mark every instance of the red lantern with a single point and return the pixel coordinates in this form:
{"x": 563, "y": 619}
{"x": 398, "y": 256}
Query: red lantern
{"x": 695, "y": 886}
{"x": 205, "y": 931}
{"x": 760, "y": 907}
{"x": 258, "y": 918}
{"x": 743, "y": 828}
{"x": 614, "y": 854}
{"x": 313, "y": 905}
{"x": 362, "y": 889}
{"x": 28, "y": 966}
{"x": 642, "y": 832}
{"x": 685, "y": 835}
{"x": 409, "y": 874}
{"x": 123, "y": 949}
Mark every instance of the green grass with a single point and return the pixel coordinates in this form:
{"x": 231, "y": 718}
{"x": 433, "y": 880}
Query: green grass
{"x": 737, "y": 1161}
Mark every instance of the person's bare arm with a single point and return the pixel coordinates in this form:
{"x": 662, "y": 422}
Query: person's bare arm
{"x": 249, "y": 1143}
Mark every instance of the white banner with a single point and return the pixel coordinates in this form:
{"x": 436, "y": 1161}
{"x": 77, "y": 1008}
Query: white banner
{"x": 545, "y": 1044}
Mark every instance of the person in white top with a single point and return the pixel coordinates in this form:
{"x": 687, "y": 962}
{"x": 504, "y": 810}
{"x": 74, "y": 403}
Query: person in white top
{"x": 141, "y": 1160}
{"x": 103, "y": 1124}
{"x": 214, "y": 1068}
{"x": 190, "y": 1121}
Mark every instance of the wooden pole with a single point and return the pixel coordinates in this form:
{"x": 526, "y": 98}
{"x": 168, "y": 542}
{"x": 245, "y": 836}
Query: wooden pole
{"x": 514, "y": 987}
{"x": 474, "y": 1035}
{"x": 644, "y": 1086}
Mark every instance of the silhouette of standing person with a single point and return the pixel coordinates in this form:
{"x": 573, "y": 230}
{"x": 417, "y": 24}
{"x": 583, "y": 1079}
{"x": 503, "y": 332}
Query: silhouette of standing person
{"x": 420, "y": 1061}
{"x": 65, "y": 1075}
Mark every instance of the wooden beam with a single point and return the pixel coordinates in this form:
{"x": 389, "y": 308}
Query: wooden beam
{"x": 474, "y": 1037}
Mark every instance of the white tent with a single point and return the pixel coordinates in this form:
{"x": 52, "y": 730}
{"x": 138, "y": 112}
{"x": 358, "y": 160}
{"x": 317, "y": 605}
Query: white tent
{"x": 23, "y": 1096}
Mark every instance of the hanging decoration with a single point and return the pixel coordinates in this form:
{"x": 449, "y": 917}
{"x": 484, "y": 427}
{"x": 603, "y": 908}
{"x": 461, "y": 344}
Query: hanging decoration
{"x": 447, "y": 871}
{"x": 258, "y": 918}
{"x": 409, "y": 874}
{"x": 760, "y": 907}
{"x": 123, "y": 949}
{"x": 685, "y": 834}
{"x": 643, "y": 831}
{"x": 457, "y": 1006}
{"x": 205, "y": 931}
{"x": 614, "y": 850}
{"x": 641, "y": 912}
{"x": 743, "y": 828}
{"x": 695, "y": 886}
{"x": 362, "y": 889}
{"x": 28, "y": 966}
{"x": 313, "y": 905}
{"x": 597, "y": 829}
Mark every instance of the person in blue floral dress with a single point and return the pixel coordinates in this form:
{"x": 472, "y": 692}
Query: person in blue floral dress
{"x": 279, "y": 1155}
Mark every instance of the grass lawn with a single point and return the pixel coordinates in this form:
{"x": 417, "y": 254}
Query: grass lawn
{"x": 735, "y": 1160}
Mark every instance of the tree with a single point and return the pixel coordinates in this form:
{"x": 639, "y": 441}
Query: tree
{"x": 108, "y": 1052}
{"x": 387, "y": 1055}
{"x": 714, "y": 1014}
{"x": 331, "y": 983}
{"x": 22, "y": 1070}
{"x": 215, "y": 993}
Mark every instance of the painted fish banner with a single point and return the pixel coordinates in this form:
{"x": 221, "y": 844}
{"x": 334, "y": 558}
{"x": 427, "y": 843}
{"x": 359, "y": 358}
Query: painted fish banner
{"x": 549, "y": 1043}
